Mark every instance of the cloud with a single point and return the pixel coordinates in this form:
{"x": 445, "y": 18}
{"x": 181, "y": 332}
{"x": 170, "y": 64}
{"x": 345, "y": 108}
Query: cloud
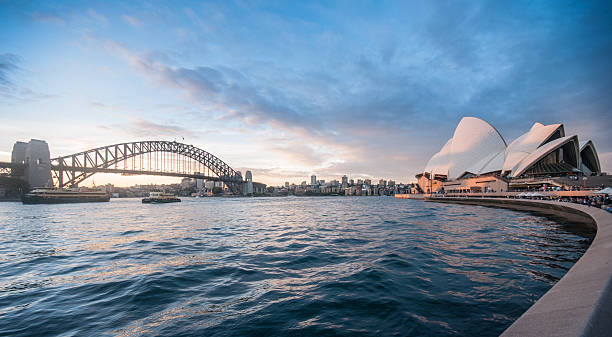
{"x": 275, "y": 173}
{"x": 296, "y": 152}
{"x": 98, "y": 104}
{"x": 8, "y": 67}
{"x": 394, "y": 94}
{"x": 48, "y": 18}
{"x": 132, "y": 21}
{"x": 97, "y": 17}
{"x": 139, "y": 127}
{"x": 9, "y": 88}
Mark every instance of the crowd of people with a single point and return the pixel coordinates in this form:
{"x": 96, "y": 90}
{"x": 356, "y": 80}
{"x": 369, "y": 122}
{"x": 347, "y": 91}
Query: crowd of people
{"x": 603, "y": 201}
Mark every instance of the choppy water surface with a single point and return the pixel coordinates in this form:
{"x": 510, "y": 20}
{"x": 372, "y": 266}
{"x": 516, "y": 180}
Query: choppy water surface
{"x": 275, "y": 266}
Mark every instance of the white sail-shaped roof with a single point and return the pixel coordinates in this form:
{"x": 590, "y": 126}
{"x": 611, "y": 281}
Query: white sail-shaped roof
{"x": 476, "y": 147}
{"x": 544, "y": 150}
{"x": 528, "y": 143}
{"x": 440, "y": 162}
{"x": 588, "y": 157}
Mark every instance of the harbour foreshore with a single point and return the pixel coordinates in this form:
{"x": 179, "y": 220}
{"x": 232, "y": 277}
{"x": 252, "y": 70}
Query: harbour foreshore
{"x": 580, "y": 304}
{"x": 552, "y": 194}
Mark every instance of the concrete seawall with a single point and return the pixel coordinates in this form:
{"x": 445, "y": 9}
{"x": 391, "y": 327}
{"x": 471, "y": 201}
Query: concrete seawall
{"x": 580, "y": 304}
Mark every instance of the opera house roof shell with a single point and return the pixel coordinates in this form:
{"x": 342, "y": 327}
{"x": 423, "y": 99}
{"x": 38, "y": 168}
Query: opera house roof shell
{"x": 478, "y": 148}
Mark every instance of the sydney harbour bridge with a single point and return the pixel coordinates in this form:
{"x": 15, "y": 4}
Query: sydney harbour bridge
{"x": 160, "y": 158}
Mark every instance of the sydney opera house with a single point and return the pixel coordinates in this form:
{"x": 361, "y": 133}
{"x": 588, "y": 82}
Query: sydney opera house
{"x": 477, "y": 149}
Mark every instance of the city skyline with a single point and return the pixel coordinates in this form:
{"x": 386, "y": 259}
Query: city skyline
{"x": 288, "y": 90}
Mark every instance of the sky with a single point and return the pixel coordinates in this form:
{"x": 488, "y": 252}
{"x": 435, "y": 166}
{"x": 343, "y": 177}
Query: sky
{"x": 287, "y": 89}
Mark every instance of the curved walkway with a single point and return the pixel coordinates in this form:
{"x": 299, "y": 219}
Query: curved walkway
{"x": 580, "y": 304}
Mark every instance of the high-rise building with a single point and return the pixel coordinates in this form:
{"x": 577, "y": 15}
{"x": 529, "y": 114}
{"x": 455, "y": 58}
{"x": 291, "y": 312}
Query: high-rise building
{"x": 382, "y": 183}
{"x": 286, "y": 184}
{"x": 313, "y": 180}
{"x": 344, "y": 181}
{"x": 368, "y": 182}
{"x": 352, "y": 182}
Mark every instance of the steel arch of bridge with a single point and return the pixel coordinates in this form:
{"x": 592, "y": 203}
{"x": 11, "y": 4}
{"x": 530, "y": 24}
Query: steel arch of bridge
{"x": 72, "y": 169}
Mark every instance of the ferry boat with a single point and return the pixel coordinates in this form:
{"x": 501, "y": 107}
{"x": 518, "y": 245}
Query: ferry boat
{"x": 160, "y": 198}
{"x": 58, "y": 196}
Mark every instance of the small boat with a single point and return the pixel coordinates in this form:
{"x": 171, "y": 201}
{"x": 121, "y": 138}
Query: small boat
{"x": 160, "y": 198}
{"x": 58, "y": 196}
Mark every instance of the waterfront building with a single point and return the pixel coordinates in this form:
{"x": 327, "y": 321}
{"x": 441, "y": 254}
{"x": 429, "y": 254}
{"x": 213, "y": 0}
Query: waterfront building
{"x": 200, "y": 184}
{"x": 313, "y": 180}
{"x": 477, "y": 149}
{"x": 258, "y": 188}
{"x": 471, "y": 184}
{"x": 344, "y": 181}
{"x": 188, "y": 183}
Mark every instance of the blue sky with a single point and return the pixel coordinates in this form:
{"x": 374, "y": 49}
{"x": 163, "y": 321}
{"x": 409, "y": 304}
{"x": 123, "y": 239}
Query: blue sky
{"x": 289, "y": 88}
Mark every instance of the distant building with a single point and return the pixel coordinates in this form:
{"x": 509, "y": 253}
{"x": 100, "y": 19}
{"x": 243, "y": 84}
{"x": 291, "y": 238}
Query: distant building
{"x": 188, "y": 183}
{"x": 313, "y": 179}
{"x": 344, "y": 181}
{"x": 382, "y": 183}
{"x": 259, "y": 188}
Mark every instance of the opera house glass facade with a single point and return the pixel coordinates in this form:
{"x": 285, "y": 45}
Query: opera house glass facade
{"x": 477, "y": 148}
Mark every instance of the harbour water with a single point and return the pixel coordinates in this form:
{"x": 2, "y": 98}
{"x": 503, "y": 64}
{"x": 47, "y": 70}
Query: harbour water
{"x": 338, "y": 266}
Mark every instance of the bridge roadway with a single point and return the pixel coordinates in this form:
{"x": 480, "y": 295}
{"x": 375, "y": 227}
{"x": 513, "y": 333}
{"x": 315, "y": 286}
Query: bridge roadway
{"x": 21, "y": 168}
{"x": 133, "y": 172}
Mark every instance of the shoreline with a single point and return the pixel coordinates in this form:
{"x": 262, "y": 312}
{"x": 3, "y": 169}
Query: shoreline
{"x": 580, "y": 303}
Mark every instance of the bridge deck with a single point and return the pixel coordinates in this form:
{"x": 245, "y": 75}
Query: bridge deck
{"x": 134, "y": 172}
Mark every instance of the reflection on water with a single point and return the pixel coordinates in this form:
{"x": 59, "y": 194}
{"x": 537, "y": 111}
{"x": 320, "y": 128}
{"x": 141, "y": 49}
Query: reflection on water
{"x": 275, "y": 266}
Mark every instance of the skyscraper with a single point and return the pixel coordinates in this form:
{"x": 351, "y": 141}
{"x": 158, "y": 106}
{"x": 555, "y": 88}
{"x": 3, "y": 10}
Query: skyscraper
{"x": 313, "y": 180}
